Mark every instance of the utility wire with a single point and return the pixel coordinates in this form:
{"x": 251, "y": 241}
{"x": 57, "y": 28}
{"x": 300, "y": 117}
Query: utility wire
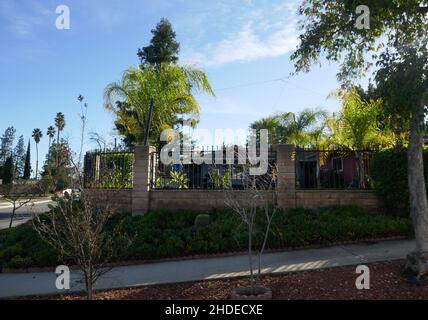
{"x": 284, "y": 80}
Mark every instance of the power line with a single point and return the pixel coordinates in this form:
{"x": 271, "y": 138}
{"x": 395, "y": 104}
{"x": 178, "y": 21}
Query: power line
{"x": 283, "y": 80}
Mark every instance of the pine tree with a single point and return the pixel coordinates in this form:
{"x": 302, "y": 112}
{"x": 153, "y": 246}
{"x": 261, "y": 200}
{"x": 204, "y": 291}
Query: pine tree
{"x": 163, "y": 47}
{"x": 27, "y": 167}
{"x": 19, "y": 157}
{"x": 8, "y": 175}
{"x": 6, "y": 143}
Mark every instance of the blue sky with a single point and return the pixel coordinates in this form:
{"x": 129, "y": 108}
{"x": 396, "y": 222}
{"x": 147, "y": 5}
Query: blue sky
{"x": 243, "y": 45}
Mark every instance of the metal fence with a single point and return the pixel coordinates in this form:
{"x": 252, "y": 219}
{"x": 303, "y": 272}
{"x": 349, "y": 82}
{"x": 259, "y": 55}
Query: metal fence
{"x": 109, "y": 169}
{"x": 332, "y": 169}
{"x": 214, "y": 175}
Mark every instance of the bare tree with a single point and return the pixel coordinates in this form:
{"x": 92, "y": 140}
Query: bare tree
{"x": 77, "y": 230}
{"x": 98, "y": 139}
{"x": 256, "y": 204}
{"x": 18, "y": 195}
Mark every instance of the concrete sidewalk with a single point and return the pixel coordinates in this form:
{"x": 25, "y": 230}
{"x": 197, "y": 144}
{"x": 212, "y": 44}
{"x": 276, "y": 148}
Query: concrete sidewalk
{"x": 12, "y": 285}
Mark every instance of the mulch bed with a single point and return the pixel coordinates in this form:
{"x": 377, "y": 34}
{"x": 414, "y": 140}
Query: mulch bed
{"x": 387, "y": 282}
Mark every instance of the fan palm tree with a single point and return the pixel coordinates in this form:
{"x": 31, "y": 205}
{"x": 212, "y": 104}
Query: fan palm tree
{"x": 37, "y": 135}
{"x": 51, "y": 134}
{"x": 60, "y": 125}
{"x": 172, "y": 89}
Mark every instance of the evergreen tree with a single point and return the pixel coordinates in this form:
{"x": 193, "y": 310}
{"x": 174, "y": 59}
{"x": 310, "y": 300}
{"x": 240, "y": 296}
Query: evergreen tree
{"x": 6, "y": 143}
{"x": 57, "y": 177}
{"x": 163, "y": 47}
{"x": 27, "y": 167}
{"x": 8, "y": 175}
{"x": 19, "y": 157}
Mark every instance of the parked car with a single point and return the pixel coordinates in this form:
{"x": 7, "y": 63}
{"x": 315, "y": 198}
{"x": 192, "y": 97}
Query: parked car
{"x": 76, "y": 192}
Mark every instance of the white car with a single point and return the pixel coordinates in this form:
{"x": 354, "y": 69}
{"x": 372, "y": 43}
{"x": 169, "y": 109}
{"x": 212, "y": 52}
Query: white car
{"x": 73, "y": 192}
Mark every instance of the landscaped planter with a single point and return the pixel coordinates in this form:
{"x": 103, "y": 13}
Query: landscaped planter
{"x": 251, "y": 293}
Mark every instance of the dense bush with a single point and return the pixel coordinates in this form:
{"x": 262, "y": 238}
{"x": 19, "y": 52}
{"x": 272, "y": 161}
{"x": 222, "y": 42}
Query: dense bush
{"x": 389, "y": 174}
{"x": 164, "y": 234}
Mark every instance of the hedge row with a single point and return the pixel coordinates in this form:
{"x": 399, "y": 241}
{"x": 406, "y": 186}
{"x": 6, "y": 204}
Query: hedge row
{"x": 389, "y": 174}
{"x": 165, "y": 234}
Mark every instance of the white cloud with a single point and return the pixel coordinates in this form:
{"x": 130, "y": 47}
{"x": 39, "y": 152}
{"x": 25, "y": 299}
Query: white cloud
{"x": 263, "y": 31}
{"x": 21, "y": 19}
{"x": 246, "y": 46}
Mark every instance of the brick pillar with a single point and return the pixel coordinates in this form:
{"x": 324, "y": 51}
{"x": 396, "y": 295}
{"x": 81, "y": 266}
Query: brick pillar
{"x": 140, "y": 191}
{"x": 285, "y": 155}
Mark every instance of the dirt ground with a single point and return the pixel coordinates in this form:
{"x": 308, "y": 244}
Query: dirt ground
{"x": 387, "y": 281}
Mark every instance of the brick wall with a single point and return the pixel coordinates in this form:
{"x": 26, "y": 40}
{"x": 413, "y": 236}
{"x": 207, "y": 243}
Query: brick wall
{"x": 118, "y": 200}
{"x": 144, "y": 199}
{"x": 368, "y": 200}
{"x": 195, "y": 200}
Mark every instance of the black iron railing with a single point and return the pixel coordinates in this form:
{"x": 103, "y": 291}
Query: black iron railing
{"x": 109, "y": 170}
{"x": 185, "y": 174}
{"x": 333, "y": 169}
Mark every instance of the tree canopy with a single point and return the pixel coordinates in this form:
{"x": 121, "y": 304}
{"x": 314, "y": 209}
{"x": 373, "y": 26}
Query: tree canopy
{"x": 163, "y": 47}
{"x": 172, "y": 87}
{"x": 299, "y": 129}
{"x": 394, "y": 38}
{"x": 329, "y": 29}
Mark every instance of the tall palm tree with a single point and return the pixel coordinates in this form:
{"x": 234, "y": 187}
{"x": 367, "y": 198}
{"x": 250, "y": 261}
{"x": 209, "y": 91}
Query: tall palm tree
{"x": 51, "y": 134}
{"x": 83, "y": 118}
{"x": 37, "y": 135}
{"x": 172, "y": 89}
{"x": 60, "y": 125}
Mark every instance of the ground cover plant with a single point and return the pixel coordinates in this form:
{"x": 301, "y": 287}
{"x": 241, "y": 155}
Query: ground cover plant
{"x": 163, "y": 234}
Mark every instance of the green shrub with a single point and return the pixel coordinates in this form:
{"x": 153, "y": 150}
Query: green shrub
{"x": 389, "y": 174}
{"x": 202, "y": 221}
{"x": 18, "y": 262}
{"x": 164, "y": 234}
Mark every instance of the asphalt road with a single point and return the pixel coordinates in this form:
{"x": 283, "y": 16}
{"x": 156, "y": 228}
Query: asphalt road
{"x": 24, "y": 214}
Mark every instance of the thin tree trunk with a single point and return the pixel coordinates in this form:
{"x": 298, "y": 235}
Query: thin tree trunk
{"x": 12, "y": 217}
{"x": 90, "y": 289}
{"x": 418, "y": 196}
{"x": 57, "y": 150}
{"x": 250, "y": 254}
{"x": 37, "y": 160}
{"x": 81, "y": 142}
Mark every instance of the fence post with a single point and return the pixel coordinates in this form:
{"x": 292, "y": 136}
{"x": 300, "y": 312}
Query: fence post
{"x": 286, "y": 166}
{"x": 141, "y": 188}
